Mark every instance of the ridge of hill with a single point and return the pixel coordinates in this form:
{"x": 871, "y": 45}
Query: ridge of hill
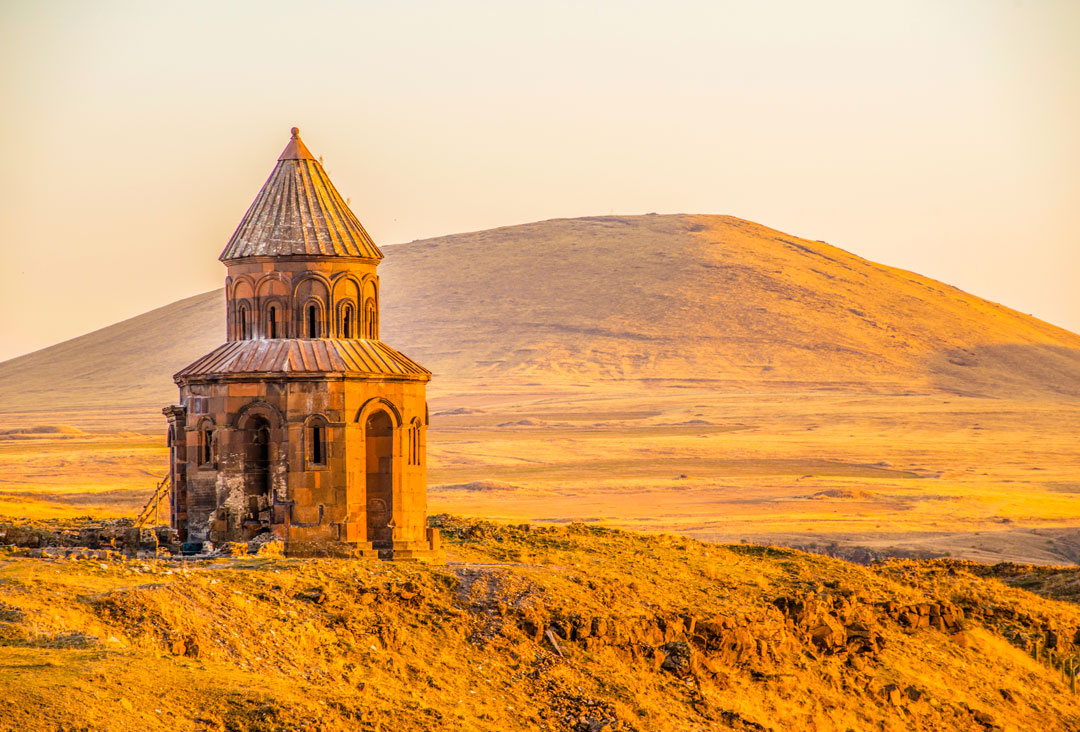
{"x": 679, "y": 299}
{"x": 573, "y": 629}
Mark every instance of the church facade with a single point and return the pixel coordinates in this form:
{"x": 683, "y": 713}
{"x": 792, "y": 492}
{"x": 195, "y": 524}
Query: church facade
{"x": 303, "y": 425}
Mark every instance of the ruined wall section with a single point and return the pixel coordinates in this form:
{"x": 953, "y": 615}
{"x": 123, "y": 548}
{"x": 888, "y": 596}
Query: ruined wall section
{"x": 230, "y": 497}
{"x": 176, "y": 439}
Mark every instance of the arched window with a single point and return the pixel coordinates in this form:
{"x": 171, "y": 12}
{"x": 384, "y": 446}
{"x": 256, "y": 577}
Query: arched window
{"x": 370, "y": 324}
{"x": 242, "y": 322}
{"x": 347, "y": 321}
{"x": 379, "y": 459}
{"x": 257, "y": 469}
{"x": 318, "y": 447}
{"x": 271, "y": 321}
{"x": 311, "y": 320}
{"x": 316, "y": 438}
{"x": 414, "y": 442}
{"x": 206, "y": 445}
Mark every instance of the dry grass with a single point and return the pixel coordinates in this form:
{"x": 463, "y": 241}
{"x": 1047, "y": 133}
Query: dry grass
{"x": 261, "y": 644}
{"x": 985, "y": 479}
{"x": 49, "y": 475}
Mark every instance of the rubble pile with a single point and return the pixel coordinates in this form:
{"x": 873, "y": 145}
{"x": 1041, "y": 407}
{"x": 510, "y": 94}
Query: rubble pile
{"x": 80, "y": 539}
{"x": 116, "y": 535}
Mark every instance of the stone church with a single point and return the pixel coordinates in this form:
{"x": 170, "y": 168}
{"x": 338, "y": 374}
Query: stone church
{"x": 303, "y": 425}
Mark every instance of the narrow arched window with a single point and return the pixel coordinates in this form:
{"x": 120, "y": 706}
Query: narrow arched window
{"x": 317, "y": 445}
{"x": 371, "y": 327}
{"x": 206, "y": 447}
{"x": 242, "y": 317}
{"x": 313, "y": 321}
{"x": 347, "y": 322}
{"x": 414, "y": 443}
{"x": 271, "y": 321}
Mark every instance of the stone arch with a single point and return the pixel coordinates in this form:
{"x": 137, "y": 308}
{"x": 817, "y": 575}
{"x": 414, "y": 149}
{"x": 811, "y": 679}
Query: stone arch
{"x": 316, "y": 442}
{"x": 274, "y": 318}
{"x": 347, "y": 286}
{"x": 313, "y": 318}
{"x": 415, "y": 446}
{"x": 241, "y": 300}
{"x": 376, "y": 403}
{"x": 381, "y": 466}
{"x": 346, "y": 294}
{"x": 244, "y": 321}
{"x": 370, "y": 313}
{"x": 206, "y": 442}
{"x": 258, "y": 408}
{"x": 243, "y": 286}
{"x": 272, "y": 284}
{"x": 258, "y": 476}
{"x": 261, "y": 439}
{"x": 312, "y": 290}
{"x": 346, "y": 320}
{"x": 311, "y": 283}
{"x": 371, "y": 319}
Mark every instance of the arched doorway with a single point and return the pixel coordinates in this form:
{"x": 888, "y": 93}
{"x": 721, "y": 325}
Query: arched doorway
{"x": 257, "y": 472}
{"x": 379, "y": 441}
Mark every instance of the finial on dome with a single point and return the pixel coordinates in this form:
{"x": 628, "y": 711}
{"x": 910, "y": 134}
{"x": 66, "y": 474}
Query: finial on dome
{"x": 296, "y": 150}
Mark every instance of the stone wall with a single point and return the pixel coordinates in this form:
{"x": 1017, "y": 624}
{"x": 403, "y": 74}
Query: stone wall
{"x": 290, "y": 285}
{"x": 307, "y": 502}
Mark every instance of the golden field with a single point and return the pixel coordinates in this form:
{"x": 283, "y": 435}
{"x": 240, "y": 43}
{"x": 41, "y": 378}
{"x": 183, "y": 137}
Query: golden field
{"x": 983, "y": 479}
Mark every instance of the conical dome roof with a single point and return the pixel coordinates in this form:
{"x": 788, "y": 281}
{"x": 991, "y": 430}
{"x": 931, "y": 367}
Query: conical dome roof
{"x": 298, "y": 212}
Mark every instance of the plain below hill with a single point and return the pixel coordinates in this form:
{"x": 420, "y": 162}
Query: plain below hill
{"x": 683, "y": 299}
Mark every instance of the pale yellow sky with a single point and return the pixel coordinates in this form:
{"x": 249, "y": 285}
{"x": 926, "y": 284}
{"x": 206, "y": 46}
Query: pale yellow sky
{"x": 939, "y": 136}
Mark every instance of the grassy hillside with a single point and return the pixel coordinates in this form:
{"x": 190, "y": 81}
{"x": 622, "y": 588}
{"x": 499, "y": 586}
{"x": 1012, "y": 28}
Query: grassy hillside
{"x": 121, "y": 374}
{"x": 692, "y": 300}
{"x": 706, "y": 299}
{"x": 571, "y": 628}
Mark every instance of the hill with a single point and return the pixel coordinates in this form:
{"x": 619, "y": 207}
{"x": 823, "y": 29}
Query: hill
{"x": 686, "y": 300}
{"x": 574, "y": 629}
